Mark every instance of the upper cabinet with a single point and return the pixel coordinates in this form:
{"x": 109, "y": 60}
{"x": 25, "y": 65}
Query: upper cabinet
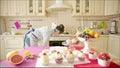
{"x": 36, "y": 7}
{"x": 88, "y": 7}
{"x": 3, "y": 7}
{"x": 119, "y": 7}
{"x": 99, "y": 7}
{"x": 22, "y": 7}
{"x": 111, "y": 7}
{"x": 17, "y": 7}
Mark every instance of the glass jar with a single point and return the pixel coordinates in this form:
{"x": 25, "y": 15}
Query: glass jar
{"x": 13, "y": 30}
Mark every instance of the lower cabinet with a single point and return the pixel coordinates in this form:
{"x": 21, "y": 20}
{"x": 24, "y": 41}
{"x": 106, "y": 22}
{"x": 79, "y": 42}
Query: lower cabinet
{"x": 114, "y": 46}
{"x": 10, "y": 43}
{"x": 99, "y": 44}
{"x": 2, "y": 50}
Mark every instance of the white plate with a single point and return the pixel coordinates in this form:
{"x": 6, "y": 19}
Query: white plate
{"x": 64, "y": 43}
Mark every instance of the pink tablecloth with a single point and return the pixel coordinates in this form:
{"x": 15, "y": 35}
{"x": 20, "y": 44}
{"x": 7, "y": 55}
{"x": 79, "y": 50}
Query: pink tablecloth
{"x": 37, "y": 50}
{"x": 26, "y": 63}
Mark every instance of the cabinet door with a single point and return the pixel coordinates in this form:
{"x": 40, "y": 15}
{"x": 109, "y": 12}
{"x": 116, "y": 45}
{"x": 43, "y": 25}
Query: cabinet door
{"x": 114, "y": 46}
{"x": 88, "y": 7}
{"x": 108, "y": 7}
{"x": 119, "y": 7}
{"x": 83, "y": 7}
{"x": 77, "y": 7}
{"x": 36, "y": 7}
{"x": 99, "y": 7}
{"x": 21, "y": 7}
{"x": 3, "y": 7}
{"x": 111, "y": 7}
{"x": 102, "y": 43}
{"x": 13, "y": 42}
{"x": 99, "y": 44}
{"x": 31, "y": 7}
{"x": 12, "y": 7}
{"x": 40, "y": 7}
{"x": 2, "y": 48}
{"x": 115, "y": 6}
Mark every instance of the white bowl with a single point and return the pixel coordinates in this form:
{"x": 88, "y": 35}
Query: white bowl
{"x": 104, "y": 62}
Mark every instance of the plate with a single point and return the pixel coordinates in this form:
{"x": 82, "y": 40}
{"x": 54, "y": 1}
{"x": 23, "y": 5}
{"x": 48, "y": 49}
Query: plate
{"x": 64, "y": 43}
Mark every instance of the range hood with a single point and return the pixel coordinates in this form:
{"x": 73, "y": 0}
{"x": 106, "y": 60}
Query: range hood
{"x": 58, "y": 6}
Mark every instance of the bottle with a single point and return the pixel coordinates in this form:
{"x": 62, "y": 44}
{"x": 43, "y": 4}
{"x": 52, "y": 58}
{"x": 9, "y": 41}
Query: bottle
{"x": 13, "y": 30}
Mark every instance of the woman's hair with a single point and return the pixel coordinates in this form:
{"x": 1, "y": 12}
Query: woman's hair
{"x": 60, "y": 28}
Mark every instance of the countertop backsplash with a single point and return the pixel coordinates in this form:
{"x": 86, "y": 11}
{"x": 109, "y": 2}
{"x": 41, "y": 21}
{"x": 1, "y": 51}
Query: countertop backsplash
{"x": 71, "y": 23}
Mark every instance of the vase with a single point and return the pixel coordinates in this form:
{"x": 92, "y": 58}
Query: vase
{"x": 86, "y": 48}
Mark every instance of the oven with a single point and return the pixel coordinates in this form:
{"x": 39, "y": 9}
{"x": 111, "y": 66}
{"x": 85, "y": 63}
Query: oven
{"x": 55, "y": 43}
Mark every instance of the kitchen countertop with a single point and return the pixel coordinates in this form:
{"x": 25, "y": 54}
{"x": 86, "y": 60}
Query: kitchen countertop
{"x": 12, "y": 35}
{"x": 68, "y": 35}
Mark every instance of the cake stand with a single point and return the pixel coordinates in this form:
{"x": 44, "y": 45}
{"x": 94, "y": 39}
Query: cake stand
{"x": 86, "y": 48}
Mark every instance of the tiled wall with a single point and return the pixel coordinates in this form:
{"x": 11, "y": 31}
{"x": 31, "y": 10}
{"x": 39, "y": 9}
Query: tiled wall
{"x": 71, "y": 23}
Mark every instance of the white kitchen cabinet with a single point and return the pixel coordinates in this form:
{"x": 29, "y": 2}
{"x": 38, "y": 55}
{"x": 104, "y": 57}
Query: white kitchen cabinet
{"x": 119, "y": 7}
{"x": 88, "y": 7}
{"x": 9, "y": 43}
{"x": 3, "y": 7}
{"x": 99, "y": 7}
{"x": 21, "y": 7}
{"x": 114, "y": 46}
{"x": 2, "y": 48}
{"x": 13, "y": 7}
{"x": 83, "y": 7}
{"x": 99, "y": 44}
{"x": 17, "y": 7}
{"x": 111, "y": 7}
{"x": 36, "y": 7}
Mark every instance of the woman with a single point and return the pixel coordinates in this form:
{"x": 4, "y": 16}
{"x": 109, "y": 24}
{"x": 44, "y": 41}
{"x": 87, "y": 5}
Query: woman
{"x": 43, "y": 33}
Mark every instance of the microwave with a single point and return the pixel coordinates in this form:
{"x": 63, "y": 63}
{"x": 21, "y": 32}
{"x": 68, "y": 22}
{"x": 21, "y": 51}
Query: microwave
{"x": 56, "y": 43}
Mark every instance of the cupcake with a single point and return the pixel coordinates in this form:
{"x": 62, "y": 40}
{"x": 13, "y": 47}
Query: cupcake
{"x": 104, "y": 59}
{"x": 45, "y": 51}
{"x": 70, "y": 57}
{"x": 52, "y": 54}
{"x": 76, "y": 52}
{"x": 58, "y": 58}
{"x": 81, "y": 56}
{"x": 93, "y": 55}
{"x": 44, "y": 59}
{"x": 64, "y": 52}
{"x": 53, "y": 51}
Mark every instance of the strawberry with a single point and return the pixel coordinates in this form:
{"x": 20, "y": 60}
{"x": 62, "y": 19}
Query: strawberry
{"x": 104, "y": 56}
{"x": 44, "y": 53}
{"x": 91, "y": 52}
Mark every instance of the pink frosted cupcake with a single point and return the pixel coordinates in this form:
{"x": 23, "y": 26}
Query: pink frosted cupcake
{"x": 81, "y": 57}
{"x": 70, "y": 57}
{"x": 58, "y": 58}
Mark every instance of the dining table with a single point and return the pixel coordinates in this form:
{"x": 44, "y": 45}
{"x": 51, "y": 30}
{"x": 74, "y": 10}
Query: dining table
{"x": 36, "y": 50}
